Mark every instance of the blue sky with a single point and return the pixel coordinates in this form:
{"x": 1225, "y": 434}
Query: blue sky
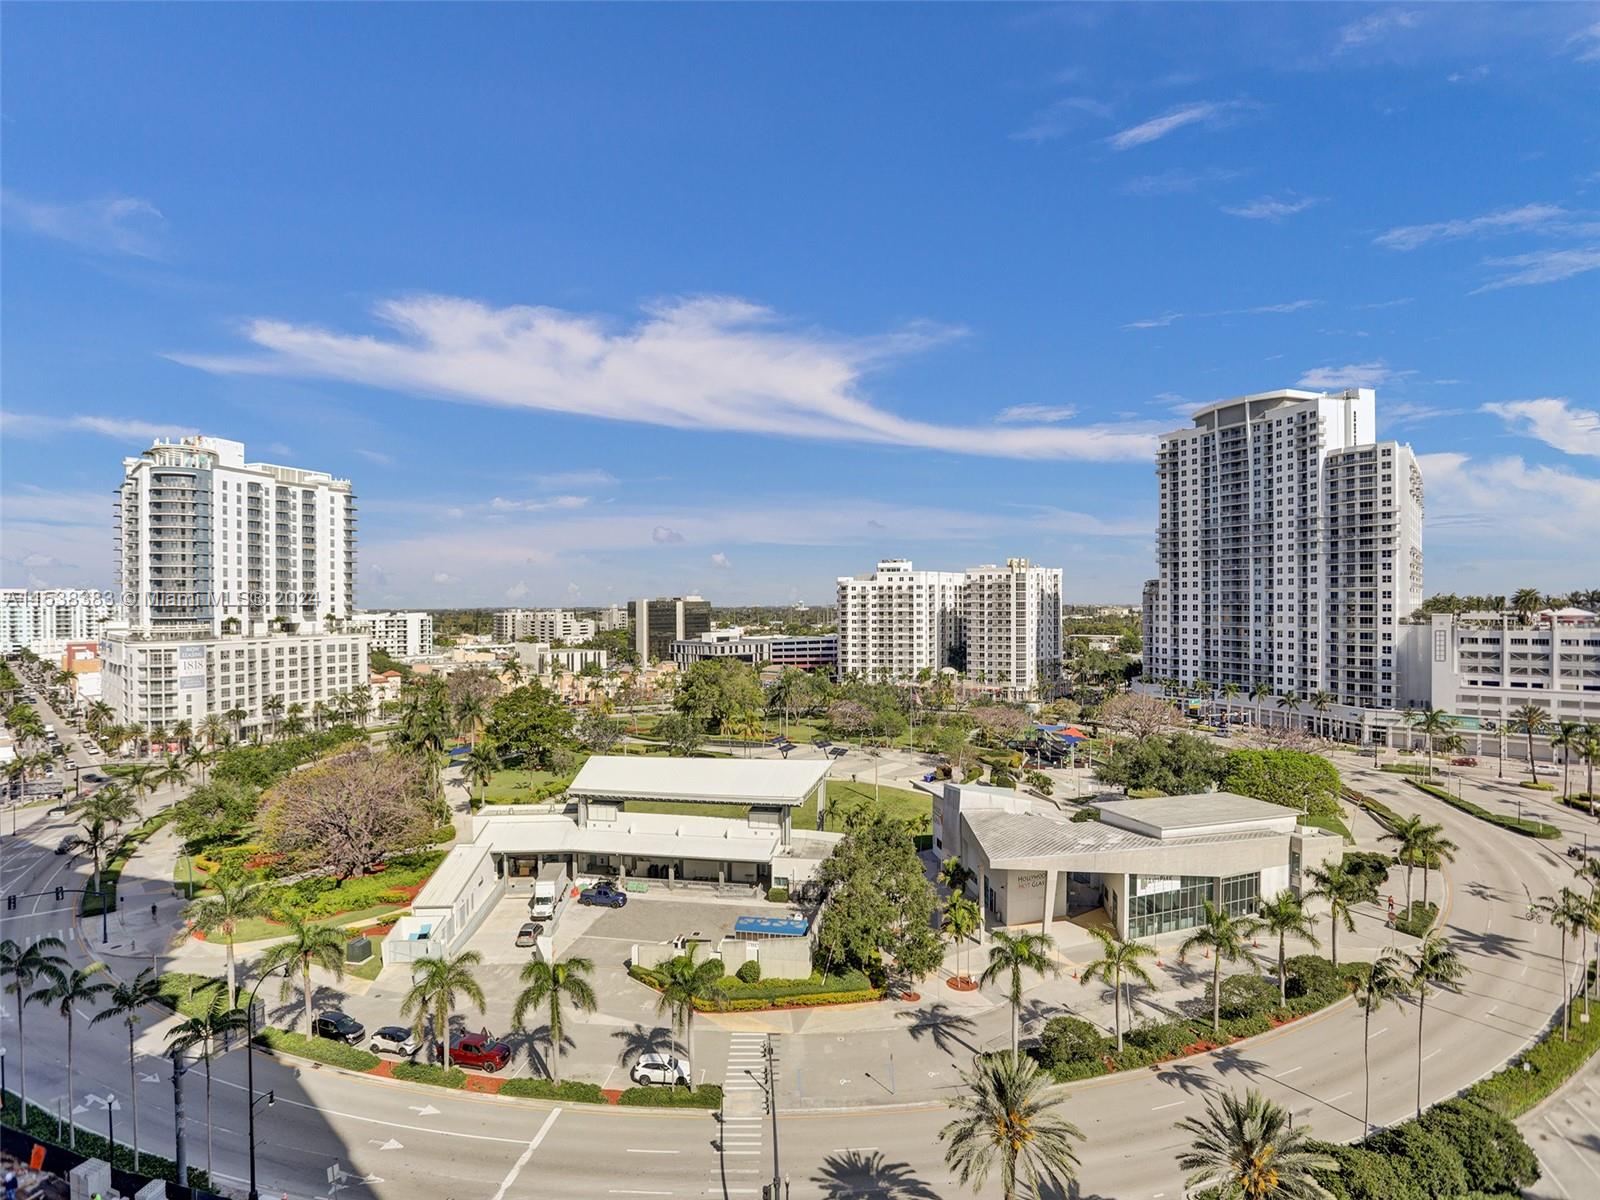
{"x": 599, "y": 301}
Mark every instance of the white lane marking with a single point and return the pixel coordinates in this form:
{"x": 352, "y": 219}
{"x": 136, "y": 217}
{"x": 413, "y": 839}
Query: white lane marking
{"x": 1174, "y": 1104}
{"x": 1340, "y": 1096}
{"x": 1430, "y": 1054}
{"x": 633, "y": 1151}
{"x": 635, "y": 1192}
{"x": 516, "y": 1167}
{"x": 1380, "y": 1033}
{"x": 1290, "y": 1071}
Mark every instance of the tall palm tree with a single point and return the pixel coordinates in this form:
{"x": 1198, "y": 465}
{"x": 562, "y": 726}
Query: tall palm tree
{"x": 237, "y": 715}
{"x": 1011, "y": 954}
{"x": 1385, "y": 983}
{"x": 1569, "y": 912}
{"x": 1434, "y": 850}
{"x": 683, "y": 982}
{"x": 1282, "y": 915}
{"x": 552, "y": 984}
{"x": 1259, "y": 694}
{"x": 1290, "y": 703}
{"x": 470, "y": 714}
{"x": 1228, "y": 691}
{"x": 213, "y": 728}
{"x": 1226, "y": 938}
{"x": 96, "y": 839}
{"x": 307, "y": 945}
{"x": 482, "y": 761}
{"x": 1117, "y": 965}
{"x": 1322, "y": 701}
{"x": 68, "y": 990}
{"x": 438, "y": 987}
{"x": 1343, "y": 890}
{"x": 233, "y": 900}
{"x": 1431, "y": 723}
{"x": 1008, "y": 1120}
{"x": 22, "y": 967}
{"x": 1529, "y": 720}
{"x": 961, "y": 919}
{"x": 1250, "y": 1150}
{"x": 272, "y": 709}
{"x": 201, "y": 1031}
{"x": 1527, "y": 601}
{"x": 127, "y": 1003}
{"x": 1407, "y": 835}
{"x": 1434, "y": 963}
{"x": 1589, "y": 748}
{"x": 1568, "y": 736}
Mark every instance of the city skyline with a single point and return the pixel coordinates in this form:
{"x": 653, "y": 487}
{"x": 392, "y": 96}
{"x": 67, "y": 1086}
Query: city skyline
{"x": 601, "y": 325}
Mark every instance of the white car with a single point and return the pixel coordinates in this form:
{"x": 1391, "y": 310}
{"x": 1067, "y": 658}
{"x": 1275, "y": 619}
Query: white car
{"x": 394, "y": 1039}
{"x": 661, "y": 1069}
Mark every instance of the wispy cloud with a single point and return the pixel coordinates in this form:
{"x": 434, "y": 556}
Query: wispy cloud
{"x": 1161, "y": 322}
{"x": 1352, "y": 375}
{"x": 1398, "y": 413}
{"x": 375, "y": 456}
{"x": 1388, "y": 303}
{"x": 1525, "y": 218}
{"x": 126, "y": 429}
{"x": 1211, "y": 113}
{"x": 1272, "y": 208}
{"x": 111, "y": 225}
{"x": 1585, "y": 44}
{"x": 1374, "y": 27}
{"x": 703, "y": 363}
{"x": 544, "y": 504}
{"x": 1468, "y": 495}
{"x": 1042, "y": 413}
{"x": 663, "y": 536}
{"x": 721, "y": 561}
{"x": 1061, "y": 118}
{"x": 1553, "y": 421}
{"x": 1541, "y": 266}
{"x": 1177, "y": 181}
{"x": 575, "y": 479}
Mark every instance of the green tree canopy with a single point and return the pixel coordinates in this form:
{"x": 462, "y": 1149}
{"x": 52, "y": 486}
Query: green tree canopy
{"x": 1176, "y": 764}
{"x": 879, "y": 905}
{"x": 529, "y": 725}
{"x": 716, "y": 690}
{"x": 1293, "y": 778}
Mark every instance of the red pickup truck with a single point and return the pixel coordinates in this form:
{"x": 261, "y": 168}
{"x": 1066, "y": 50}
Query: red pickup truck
{"x": 477, "y": 1050}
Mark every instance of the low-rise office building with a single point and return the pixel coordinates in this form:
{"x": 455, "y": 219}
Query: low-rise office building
{"x": 1148, "y": 864}
{"x": 660, "y": 622}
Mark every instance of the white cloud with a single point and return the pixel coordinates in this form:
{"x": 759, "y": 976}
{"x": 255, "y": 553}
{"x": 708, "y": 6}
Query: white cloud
{"x": 1161, "y": 322}
{"x": 444, "y": 577}
{"x": 720, "y": 561}
{"x": 1587, "y": 42}
{"x": 1272, "y": 208}
{"x": 662, "y": 536}
{"x": 1060, "y": 118}
{"x": 375, "y": 456}
{"x": 115, "y": 224}
{"x": 1542, "y": 266}
{"x": 1553, "y": 421}
{"x": 1526, "y": 218}
{"x": 1176, "y": 181}
{"x": 1043, "y": 413}
{"x": 1403, "y": 300}
{"x": 501, "y": 504}
{"x": 127, "y": 429}
{"x": 575, "y": 479}
{"x": 705, "y": 363}
{"x": 1395, "y": 413}
{"x": 1210, "y": 112}
{"x": 1526, "y": 506}
{"x": 1371, "y": 28}
{"x": 517, "y": 590}
{"x": 1353, "y": 375}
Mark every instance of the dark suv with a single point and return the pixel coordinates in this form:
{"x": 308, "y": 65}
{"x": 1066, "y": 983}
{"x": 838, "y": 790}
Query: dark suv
{"x": 605, "y": 893}
{"x": 339, "y": 1027}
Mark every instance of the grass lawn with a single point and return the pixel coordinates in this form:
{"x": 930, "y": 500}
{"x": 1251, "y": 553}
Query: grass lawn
{"x": 515, "y": 786}
{"x": 1332, "y": 824}
{"x": 903, "y": 803}
{"x": 370, "y": 968}
{"x": 256, "y": 929}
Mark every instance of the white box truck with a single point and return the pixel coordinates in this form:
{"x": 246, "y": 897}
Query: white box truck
{"x": 549, "y": 892}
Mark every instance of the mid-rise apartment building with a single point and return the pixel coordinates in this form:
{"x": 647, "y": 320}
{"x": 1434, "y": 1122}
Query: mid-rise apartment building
{"x": 1289, "y": 549}
{"x": 807, "y": 652}
{"x": 45, "y": 622}
{"x": 613, "y": 616}
{"x": 998, "y": 625}
{"x": 404, "y": 635}
{"x": 660, "y": 622}
{"x": 542, "y": 625}
{"x": 239, "y": 585}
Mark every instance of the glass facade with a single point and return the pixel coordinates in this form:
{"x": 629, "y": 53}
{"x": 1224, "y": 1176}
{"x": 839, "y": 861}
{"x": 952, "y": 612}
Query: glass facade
{"x": 1165, "y": 903}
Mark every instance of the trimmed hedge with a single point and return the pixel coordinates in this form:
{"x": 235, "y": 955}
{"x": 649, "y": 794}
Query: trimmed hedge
{"x": 1406, "y": 768}
{"x": 324, "y": 1050}
{"x": 1418, "y": 920}
{"x": 1527, "y": 827}
{"x": 850, "y": 988}
{"x": 707, "y": 1095}
{"x": 1582, "y": 801}
{"x": 572, "y": 1090}
{"x": 1376, "y": 809}
{"x": 186, "y": 993}
{"x": 1541, "y": 786}
{"x": 778, "y": 895}
{"x": 431, "y": 1073}
{"x": 41, "y": 1126}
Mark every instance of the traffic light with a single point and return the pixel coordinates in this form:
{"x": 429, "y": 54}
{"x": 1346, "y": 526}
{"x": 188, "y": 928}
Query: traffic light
{"x": 11, "y": 903}
{"x": 61, "y": 892}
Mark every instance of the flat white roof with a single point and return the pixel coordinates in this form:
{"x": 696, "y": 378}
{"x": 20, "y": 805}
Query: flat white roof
{"x": 648, "y": 835}
{"x": 698, "y": 780}
{"x": 1163, "y": 816}
{"x": 453, "y": 874}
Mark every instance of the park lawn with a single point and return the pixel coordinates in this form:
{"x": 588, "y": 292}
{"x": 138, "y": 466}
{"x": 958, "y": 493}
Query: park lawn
{"x": 1332, "y": 824}
{"x": 180, "y": 878}
{"x": 257, "y": 929}
{"x": 903, "y": 803}
{"x": 514, "y": 785}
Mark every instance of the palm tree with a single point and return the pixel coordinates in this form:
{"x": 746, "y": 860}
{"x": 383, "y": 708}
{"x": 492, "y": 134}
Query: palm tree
{"x": 684, "y": 981}
{"x": 1282, "y": 915}
{"x": 69, "y": 990}
{"x": 550, "y": 984}
{"x": 237, "y": 715}
{"x": 1340, "y": 887}
{"x": 272, "y": 709}
{"x": 1384, "y": 983}
{"x": 233, "y": 900}
{"x": 1290, "y": 702}
{"x": 1433, "y": 850}
{"x": 961, "y": 918}
{"x": 1527, "y": 601}
{"x": 1259, "y": 694}
{"x": 22, "y": 967}
{"x": 127, "y": 1004}
{"x": 96, "y": 839}
{"x": 216, "y": 1020}
{"x": 307, "y": 945}
{"x": 1008, "y": 1119}
{"x": 1250, "y": 1150}
{"x": 1117, "y": 965}
{"x": 482, "y": 761}
{"x": 1225, "y": 938}
{"x": 1435, "y": 963}
{"x": 437, "y": 989}
{"x": 1322, "y": 701}
{"x": 1431, "y": 723}
{"x": 470, "y": 714}
{"x": 1011, "y": 954}
{"x": 1569, "y": 912}
{"x": 1407, "y": 835}
{"x": 1589, "y": 748}
{"x": 1529, "y": 720}
{"x": 1568, "y": 735}
{"x": 1228, "y": 691}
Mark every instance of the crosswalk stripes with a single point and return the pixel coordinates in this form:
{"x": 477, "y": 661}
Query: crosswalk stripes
{"x": 744, "y": 1118}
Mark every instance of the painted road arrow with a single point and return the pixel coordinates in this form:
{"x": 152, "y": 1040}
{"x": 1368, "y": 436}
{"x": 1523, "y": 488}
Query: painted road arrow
{"x": 391, "y": 1144}
{"x": 427, "y": 1110}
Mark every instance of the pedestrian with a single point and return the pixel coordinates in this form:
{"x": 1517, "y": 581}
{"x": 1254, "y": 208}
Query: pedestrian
{"x": 11, "y": 1184}
{"x": 152, "y": 914}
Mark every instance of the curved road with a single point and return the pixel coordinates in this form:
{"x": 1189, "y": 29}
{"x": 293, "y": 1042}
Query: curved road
{"x": 380, "y": 1138}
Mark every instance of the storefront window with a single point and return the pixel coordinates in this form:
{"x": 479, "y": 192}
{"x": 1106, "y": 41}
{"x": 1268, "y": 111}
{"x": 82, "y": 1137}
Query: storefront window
{"x": 1163, "y": 903}
{"x": 1241, "y": 894}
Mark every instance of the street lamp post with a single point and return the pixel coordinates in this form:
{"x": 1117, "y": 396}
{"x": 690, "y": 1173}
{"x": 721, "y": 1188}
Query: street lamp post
{"x": 250, "y": 1069}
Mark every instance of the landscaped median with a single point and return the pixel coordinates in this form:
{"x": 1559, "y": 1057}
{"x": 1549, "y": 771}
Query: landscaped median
{"x": 738, "y": 996}
{"x": 1525, "y": 826}
{"x": 111, "y": 871}
{"x": 1549, "y": 1063}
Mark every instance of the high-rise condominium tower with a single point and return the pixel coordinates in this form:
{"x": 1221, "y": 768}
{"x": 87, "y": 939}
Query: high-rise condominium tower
{"x": 1289, "y": 548}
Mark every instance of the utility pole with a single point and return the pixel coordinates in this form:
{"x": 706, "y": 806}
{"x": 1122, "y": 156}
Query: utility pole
{"x": 181, "y": 1158}
{"x": 772, "y": 1104}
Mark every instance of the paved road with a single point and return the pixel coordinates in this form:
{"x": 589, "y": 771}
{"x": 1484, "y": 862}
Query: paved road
{"x": 389, "y": 1139}
{"x": 1564, "y": 1132}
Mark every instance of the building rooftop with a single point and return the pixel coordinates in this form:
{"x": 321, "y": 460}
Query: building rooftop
{"x": 657, "y": 835}
{"x": 445, "y": 885}
{"x": 1175, "y": 816}
{"x": 698, "y": 780}
{"x": 1011, "y": 836}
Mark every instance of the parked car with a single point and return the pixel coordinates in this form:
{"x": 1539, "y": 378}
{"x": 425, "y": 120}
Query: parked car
{"x": 477, "y": 1050}
{"x": 1463, "y": 762}
{"x": 661, "y": 1069}
{"x": 64, "y": 846}
{"x": 394, "y": 1039}
{"x": 604, "y": 893}
{"x": 528, "y": 935}
{"x": 339, "y": 1027}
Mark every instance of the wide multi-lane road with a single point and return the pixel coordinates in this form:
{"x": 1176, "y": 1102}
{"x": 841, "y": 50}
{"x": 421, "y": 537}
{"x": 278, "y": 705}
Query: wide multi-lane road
{"x": 331, "y": 1133}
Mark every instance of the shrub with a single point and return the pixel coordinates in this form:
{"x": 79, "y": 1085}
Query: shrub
{"x": 1526, "y": 827}
{"x": 1069, "y": 1040}
{"x": 1145, "y": 793}
{"x": 1310, "y": 975}
{"x": 1405, "y": 768}
{"x": 1496, "y": 1158}
{"x": 324, "y": 1050}
{"x": 41, "y": 1126}
{"x": 1086, "y": 814}
{"x": 1365, "y": 1175}
{"x": 749, "y": 972}
{"x": 778, "y": 895}
{"x": 1541, "y": 786}
{"x": 1433, "y": 1164}
{"x": 430, "y": 1073}
{"x": 1245, "y": 996}
{"x": 1161, "y": 1039}
{"x": 1418, "y": 919}
{"x": 1511, "y": 1091}
{"x": 186, "y": 993}
{"x": 1291, "y": 778}
{"x": 1372, "y": 869}
{"x": 707, "y": 1095}
{"x": 573, "y": 1090}
{"x": 1376, "y": 809}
